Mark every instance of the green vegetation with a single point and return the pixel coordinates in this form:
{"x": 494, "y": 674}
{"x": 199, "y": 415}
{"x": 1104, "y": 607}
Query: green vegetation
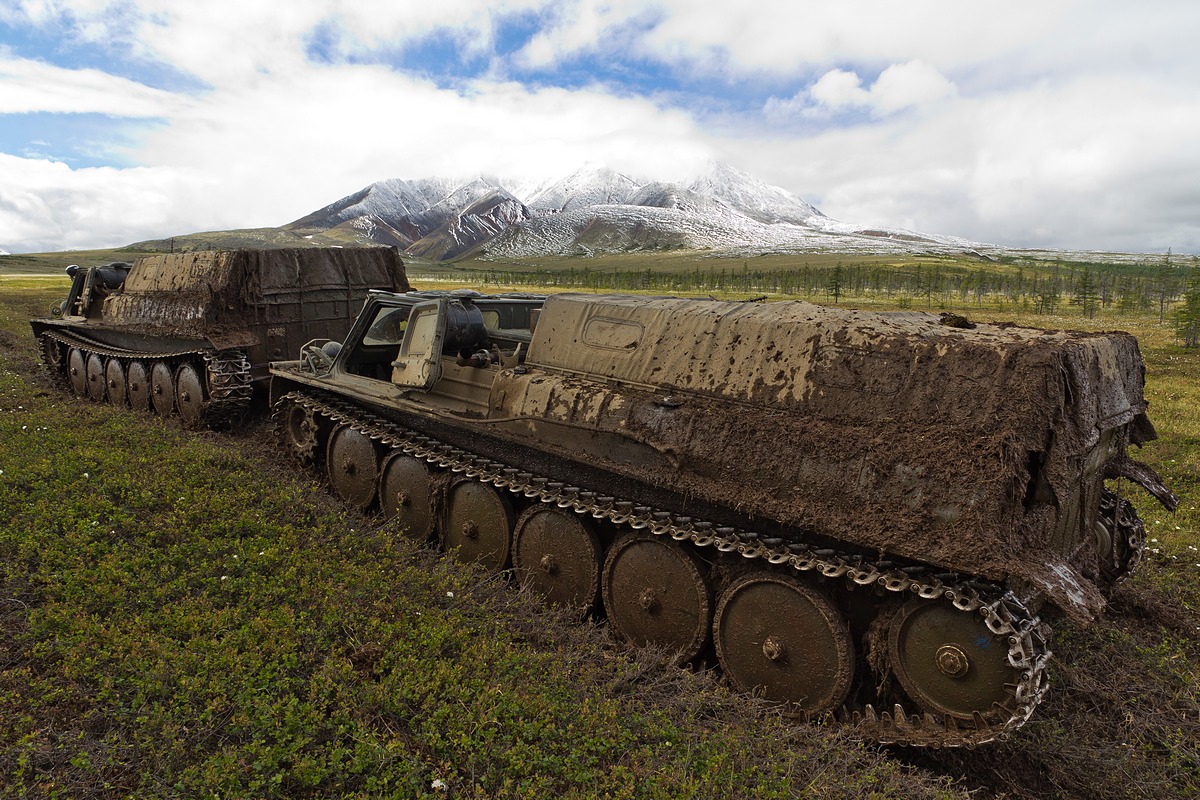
{"x": 1130, "y": 287}
{"x": 56, "y": 263}
{"x": 185, "y": 615}
{"x": 253, "y": 238}
{"x": 1187, "y": 317}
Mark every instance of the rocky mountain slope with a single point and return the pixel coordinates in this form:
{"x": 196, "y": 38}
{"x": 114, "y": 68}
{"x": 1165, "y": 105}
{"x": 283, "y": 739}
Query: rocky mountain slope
{"x": 595, "y": 210}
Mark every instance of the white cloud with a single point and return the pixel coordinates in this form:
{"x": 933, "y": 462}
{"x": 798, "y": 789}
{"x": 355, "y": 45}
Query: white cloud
{"x": 277, "y": 147}
{"x": 33, "y": 86}
{"x": 838, "y": 88}
{"x": 1094, "y": 163}
{"x": 1049, "y": 122}
{"x": 898, "y": 87}
{"x": 913, "y": 83}
{"x": 46, "y": 205}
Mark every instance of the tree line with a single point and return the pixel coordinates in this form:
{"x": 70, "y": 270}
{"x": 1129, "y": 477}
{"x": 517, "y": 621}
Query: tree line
{"x": 1169, "y": 289}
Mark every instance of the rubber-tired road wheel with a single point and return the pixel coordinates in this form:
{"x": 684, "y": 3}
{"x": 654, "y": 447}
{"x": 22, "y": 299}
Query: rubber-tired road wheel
{"x": 479, "y": 522}
{"x": 556, "y": 552}
{"x": 406, "y": 497}
{"x": 96, "y": 384}
{"x": 137, "y": 383}
{"x": 352, "y": 466}
{"x": 948, "y": 660}
{"x": 162, "y": 388}
{"x": 114, "y": 379}
{"x": 655, "y": 593}
{"x": 77, "y": 371}
{"x": 783, "y": 639}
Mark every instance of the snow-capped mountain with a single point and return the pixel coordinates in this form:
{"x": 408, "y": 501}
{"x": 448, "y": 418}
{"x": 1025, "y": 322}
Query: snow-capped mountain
{"x": 587, "y": 187}
{"x": 596, "y": 210}
{"x": 756, "y": 199}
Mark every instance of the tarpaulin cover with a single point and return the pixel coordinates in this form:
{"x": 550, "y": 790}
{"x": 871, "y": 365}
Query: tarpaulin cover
{"x": 218, "y": 290}
{"x": 981, "y": 449}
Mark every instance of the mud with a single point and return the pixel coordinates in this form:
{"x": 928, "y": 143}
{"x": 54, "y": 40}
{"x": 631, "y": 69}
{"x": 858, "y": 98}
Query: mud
{"x": 213, "y": 293}
{"x": 979, "y": 449}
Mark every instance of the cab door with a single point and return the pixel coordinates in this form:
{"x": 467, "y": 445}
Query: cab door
{"x": 418, "y": 365}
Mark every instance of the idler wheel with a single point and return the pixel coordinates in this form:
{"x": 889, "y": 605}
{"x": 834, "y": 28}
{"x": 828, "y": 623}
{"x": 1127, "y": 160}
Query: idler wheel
{"x": 784, "y": 640}
{"x": 479, "y": 522}
{"x": 162, "y": 388}
{"x": 137, "y": 382}
{"x": 95, "y": 377}
{"x": 352, "y": 466}
{"x": 1120, "y": 540}
{"x": 191, "y": 398}
{"x": 948, "y": 660}
{"x": 52, "y": 356}
{"x": 406, "y": 496}
{"x": 655, "y": 593}
{"x": 114, "y": 379}
{"x": 557, "y": 553}
{"x": 298, "y": 429}
{"x": 77, "y": 371}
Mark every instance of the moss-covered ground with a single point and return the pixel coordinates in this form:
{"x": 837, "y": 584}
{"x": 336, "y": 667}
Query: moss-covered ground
{"x": 185, "y": 615}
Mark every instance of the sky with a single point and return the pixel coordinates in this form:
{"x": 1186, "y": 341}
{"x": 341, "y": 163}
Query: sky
{"x": 1026, "y": 123}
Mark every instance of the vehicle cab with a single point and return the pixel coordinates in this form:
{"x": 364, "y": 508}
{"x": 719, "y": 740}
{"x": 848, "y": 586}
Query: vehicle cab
{"x": 435, "y": 348}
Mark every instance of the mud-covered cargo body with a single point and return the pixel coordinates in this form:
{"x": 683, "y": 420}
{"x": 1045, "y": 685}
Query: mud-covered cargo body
{"x": 980, "y": 449}
{"x": 191, "y": 333}
{"x": 854, "y": 513}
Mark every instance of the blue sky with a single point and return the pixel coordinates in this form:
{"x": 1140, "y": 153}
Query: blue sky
{"x": 1038, "y": 124}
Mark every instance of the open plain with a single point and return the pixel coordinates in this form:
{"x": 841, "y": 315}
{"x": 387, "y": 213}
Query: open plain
{"x": 187, "y": 615}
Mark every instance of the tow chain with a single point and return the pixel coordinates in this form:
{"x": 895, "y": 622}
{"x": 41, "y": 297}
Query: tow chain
{"x": 1002, "y": 611}
{"x": 227, "y": 371}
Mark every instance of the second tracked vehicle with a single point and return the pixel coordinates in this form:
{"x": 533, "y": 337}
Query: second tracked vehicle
{"x": 190, "y": 334}
{"x": 861, "y": 516}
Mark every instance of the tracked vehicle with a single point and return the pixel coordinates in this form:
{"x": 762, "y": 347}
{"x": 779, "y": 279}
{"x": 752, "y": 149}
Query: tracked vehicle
{"x": 860, "y": 516}
{"x": 191, "y": 333}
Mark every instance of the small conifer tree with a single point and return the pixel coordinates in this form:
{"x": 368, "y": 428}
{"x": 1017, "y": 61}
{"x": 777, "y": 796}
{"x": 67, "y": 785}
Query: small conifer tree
{"x": 1187, "y": 316}
{"x": 1087, "y": 295}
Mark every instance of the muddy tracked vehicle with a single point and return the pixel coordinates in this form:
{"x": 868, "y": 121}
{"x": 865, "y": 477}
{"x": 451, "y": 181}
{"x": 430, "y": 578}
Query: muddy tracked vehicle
{"x": 192, "y": 333}
{"x": 861, "y": 516}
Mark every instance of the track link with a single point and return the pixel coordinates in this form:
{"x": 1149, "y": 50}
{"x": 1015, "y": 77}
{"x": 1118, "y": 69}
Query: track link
{"x": 1004, "y": 614}
{"x": 227, "y": 371}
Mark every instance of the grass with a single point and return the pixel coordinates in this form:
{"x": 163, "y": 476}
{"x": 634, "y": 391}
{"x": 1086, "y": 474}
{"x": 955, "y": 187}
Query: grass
{"x": 184, "y": 615}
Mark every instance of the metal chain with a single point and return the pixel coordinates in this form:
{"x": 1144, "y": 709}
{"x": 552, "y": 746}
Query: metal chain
{"x": 1003, "y": 613}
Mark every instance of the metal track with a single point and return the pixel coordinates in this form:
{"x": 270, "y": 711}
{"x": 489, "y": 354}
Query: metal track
{"x": 227, "y": 372}
{"x": 1128, "y": 526}
{"x": 1002, "y": 611}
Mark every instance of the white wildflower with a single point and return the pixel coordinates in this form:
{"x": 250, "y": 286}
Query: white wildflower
{"x": 438, "y": 785}
{"x": 449, "y": 594}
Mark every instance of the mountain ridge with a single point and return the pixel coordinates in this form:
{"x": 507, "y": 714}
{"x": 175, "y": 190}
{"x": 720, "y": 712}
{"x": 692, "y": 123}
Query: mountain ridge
{"x": 593, "y": 210}
{"x": 596, "y": 209}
